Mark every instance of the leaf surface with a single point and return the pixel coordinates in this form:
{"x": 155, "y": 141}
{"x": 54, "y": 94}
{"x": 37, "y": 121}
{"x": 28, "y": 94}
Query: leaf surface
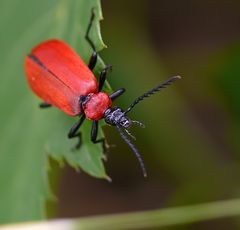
{"x": 29, "y": 135}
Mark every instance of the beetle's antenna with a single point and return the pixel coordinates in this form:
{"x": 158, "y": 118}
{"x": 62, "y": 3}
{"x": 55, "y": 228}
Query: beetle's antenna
{"x": 152, "y": 91}
{"x": 140, "y": 160}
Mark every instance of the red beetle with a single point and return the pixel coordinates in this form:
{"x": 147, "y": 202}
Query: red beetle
{"x": 60, "y": 78}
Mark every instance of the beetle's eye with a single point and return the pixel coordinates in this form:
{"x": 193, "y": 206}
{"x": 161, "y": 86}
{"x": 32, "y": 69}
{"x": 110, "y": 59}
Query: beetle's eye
{"x": 122, "y": 123}
{"x": 125, "y": 123}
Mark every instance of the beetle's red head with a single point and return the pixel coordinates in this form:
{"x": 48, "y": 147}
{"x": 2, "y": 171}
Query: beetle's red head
{"x": 96, "y": 105}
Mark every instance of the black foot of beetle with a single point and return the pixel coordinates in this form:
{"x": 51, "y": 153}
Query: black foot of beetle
{"x": 44, "y": 105}
{"x": 79, "y": 143}
{"x": 73, "y": 133}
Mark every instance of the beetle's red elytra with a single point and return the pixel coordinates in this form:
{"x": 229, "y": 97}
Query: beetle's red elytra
{"x": 58, "y": 75}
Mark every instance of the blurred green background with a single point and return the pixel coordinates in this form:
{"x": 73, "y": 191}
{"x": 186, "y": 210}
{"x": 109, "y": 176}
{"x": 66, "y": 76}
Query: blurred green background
{"x": 191, "y": 141}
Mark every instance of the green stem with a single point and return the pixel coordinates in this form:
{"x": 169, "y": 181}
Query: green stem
{"x": 162, "y": 217}
{"x": 140, "y": 220}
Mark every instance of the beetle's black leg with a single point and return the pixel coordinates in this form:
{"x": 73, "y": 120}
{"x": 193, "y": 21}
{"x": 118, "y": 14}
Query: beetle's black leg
{"x": 93, "y": 59}
{"x": 44, "y": 105}
{"x": 117, "y": 93}
{"x": 103, "y": 76}
{"x": 89, "y": 28}
{"x": 73, "y": 132}
{"x": 94, "y": 133}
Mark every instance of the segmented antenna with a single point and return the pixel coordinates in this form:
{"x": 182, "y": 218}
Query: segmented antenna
{"x": 152, "y": 91}
{"x": 140, "y": 160}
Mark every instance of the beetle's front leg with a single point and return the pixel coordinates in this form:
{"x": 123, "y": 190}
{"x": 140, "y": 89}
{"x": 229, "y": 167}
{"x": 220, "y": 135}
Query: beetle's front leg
{"x": 94, "y": 132}
{"x": 117, "y": 93}
{"x": 73, "y": 132}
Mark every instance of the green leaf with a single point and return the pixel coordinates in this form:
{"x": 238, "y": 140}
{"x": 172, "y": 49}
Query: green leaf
{"x": 88, "y": 158}
{"x": 29, "y": 135}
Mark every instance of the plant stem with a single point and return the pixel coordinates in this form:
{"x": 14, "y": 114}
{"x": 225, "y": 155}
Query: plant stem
{"x": 141, "y": 220}
{"x": 162, "y": 217}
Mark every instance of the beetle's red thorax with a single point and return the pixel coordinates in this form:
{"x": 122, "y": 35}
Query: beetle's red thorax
{"x": 96, "y": 106}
